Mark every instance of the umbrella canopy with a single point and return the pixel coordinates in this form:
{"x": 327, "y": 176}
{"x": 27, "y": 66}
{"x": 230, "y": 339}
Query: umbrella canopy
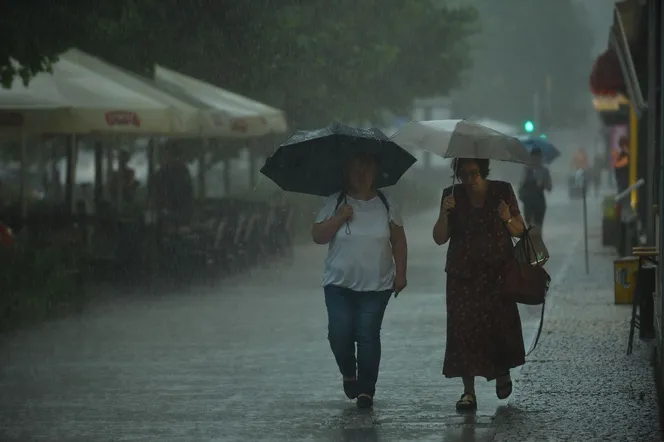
{"x": 549, "y": 151}
{"x": 461, "y": 139}
{"x": 225, "y": 113}
{"x": 85, "y": 95}
{"x": 312, "y": 162}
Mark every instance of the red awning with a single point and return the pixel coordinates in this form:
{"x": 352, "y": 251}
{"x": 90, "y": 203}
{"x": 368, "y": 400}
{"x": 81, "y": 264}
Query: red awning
{"x": 606, "y": 77}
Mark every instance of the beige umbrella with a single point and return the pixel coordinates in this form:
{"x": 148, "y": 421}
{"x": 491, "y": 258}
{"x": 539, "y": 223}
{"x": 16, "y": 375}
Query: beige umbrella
{"x": 461, "y": 139}
{"x": 225, "y": 114}
{"x": 86, "y": 95}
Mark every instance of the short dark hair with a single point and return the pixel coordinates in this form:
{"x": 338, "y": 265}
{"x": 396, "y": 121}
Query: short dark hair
{"x": 624, "y": 141}
{"x": 536, "y": 152}
{"x": 482, "y": 164}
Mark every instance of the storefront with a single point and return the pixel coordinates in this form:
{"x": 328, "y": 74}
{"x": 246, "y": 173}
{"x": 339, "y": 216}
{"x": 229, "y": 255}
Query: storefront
{"x": 632, "y": 67}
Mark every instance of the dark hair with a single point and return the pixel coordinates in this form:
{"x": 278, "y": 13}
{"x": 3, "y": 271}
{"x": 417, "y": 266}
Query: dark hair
{"x": 624, "y": 141}
{"x": 536, "y": 152}
{"x": 482, "y": 164}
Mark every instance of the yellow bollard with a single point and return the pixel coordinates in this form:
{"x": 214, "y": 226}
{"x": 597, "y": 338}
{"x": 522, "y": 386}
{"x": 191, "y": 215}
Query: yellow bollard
{"x": 625, "y": 271}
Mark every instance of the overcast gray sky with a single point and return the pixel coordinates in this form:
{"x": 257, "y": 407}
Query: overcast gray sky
{"x": 599, "y": 18}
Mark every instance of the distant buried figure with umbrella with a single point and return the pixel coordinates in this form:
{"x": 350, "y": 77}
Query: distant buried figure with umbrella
{"x": 363, "y": 227}
{"x": 478, "y": 218}
{"x": 547, "y": 151}
{"x": 535, "y": 181}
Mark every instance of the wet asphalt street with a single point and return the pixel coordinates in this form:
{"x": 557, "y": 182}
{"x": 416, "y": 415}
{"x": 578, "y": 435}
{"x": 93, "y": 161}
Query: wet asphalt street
{"x": 249, "y": 360}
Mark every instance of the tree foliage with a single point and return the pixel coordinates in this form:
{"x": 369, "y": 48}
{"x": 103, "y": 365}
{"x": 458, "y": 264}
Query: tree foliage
{"x": 34, "y": 32}
{"x": 317, "y": 60}
{"x": 528, "y": 47}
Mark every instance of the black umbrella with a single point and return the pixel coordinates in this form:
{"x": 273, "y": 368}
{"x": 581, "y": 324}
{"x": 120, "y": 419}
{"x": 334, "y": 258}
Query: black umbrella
{"x": 312, "y": 161}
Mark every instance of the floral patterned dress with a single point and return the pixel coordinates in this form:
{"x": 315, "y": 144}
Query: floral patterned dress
{"x": 484, "y": 336}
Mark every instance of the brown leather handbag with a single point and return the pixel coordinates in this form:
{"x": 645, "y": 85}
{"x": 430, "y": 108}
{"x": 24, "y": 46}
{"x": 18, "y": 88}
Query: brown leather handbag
{"x": 523, "y": 278}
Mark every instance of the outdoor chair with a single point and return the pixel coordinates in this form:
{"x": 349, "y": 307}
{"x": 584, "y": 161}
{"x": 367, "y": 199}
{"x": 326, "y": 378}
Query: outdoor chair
{"x": 221, "y": 246}
{"x": 248, "y": 241}
{"x": 269, "y": 245}
{"x": 642, "y": 308}
{"x": 285, "y": 233}
{"x": 235, "y": 244}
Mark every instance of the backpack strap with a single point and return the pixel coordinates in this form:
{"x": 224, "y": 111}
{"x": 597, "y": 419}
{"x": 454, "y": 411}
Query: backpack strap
{"x": 383, "y": 198}
{"x": 341, "y": 199}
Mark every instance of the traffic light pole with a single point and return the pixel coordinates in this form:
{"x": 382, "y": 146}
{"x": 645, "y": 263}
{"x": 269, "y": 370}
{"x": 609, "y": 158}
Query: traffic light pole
{"x": 536, "y": 113}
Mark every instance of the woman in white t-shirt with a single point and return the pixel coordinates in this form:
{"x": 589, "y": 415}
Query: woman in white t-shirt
{"x": 365, "y": 264}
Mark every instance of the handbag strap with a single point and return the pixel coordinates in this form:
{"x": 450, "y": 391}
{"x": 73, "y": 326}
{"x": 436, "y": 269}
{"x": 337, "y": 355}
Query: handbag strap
{"x": 525, "y": 236}
{"x": 541, "y": 324}
{"x": 539, "y": 330}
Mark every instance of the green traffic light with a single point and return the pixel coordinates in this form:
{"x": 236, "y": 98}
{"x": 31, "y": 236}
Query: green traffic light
{"x": 529, "y": 126}
{"x": 543, "y": 136}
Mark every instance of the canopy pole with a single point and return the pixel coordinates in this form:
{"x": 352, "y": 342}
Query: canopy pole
{"x": 252, "y": 147}
{"x": 99, "y": 175}
{"x": 121, "y": 173}
{"x": 71, "y": 173}
{"x": 151, "y": 154}
{"x": 202, "y": 168}
{"x": 227, "y": 177}
{"x": 41, "y": 165}
{"x": 24, "y": 176}
{"x": 109, "y": 170}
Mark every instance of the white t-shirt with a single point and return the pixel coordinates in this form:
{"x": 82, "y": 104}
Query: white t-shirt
{"x": 362, "y": 259}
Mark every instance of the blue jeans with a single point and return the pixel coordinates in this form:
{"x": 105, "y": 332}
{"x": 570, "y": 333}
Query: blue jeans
{"x": 356, "y": 317}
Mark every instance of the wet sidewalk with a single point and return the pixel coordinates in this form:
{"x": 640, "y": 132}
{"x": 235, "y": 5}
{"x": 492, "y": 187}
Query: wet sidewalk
{"x": 579, "y": 384}
{"x": 248, "y": 360}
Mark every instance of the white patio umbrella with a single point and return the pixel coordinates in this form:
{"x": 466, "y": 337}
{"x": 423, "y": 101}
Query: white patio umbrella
{"x": 461, "y": 139}
{"x": 128, "y": 103}
{"x": 225, "y": 113}
{"x": 85, "y": 95}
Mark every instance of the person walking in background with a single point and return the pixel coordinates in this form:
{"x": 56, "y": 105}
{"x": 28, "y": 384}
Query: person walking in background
{"x": 580, "y": 165}
{"x": 172, "y": 188}
{"x": 535, "y": 181}
{"x": 620, "y": 164}
{"x": 599, "y": 164}
{"x": 124, "y": 178}
{"x": 55, "y": 191}
{"x": 365, "y": 264}
{"x": 484, "y": 336}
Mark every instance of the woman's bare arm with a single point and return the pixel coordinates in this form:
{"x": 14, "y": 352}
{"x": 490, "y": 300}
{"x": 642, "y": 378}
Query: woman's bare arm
{"x": 323, "y": 232}
{"x": 399, "y": 248}
{"x": 442, "y": 228}
{"x": 516, "y": 226}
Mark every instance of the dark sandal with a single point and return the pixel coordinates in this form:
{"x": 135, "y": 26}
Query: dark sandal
{"x": 350, "y": 388}
{"x": 504, "y": 390}
{"x": 364, "y": 401}
{"x": 467, "y": 402}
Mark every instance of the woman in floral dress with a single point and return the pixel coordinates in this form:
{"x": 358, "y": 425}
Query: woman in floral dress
{"x": 479, "y": 217}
